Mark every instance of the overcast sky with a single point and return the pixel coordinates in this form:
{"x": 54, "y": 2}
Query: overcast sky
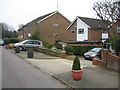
{"x": 15, "y": 12}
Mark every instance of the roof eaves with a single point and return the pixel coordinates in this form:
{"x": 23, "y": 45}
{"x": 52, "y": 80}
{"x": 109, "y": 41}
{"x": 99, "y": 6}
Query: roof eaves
{"x": 84, "y": 22}
{"x": 72, "y": 23}
{"x": 47, "y": 17}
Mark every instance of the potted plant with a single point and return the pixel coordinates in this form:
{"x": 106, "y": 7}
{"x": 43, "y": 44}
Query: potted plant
{"x": 76, "y": 69}
{"x": 30, "y": 53}
{"x": 17, "y": 50}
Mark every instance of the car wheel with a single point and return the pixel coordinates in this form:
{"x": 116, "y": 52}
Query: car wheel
{"x": 21, "y": 48}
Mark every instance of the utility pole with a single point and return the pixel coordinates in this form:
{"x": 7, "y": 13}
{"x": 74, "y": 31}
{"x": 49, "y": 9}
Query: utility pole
{"x": 57, "y": 5}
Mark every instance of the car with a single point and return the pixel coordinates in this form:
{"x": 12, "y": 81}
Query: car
{"x": 92, "y": 53}
{"x": 26, "y": 44}
{"x": 1, "y": 42}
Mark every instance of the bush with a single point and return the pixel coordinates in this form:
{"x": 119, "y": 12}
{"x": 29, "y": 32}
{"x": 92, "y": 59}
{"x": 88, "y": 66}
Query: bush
{"x": 76, "y": 64}
{"x": 59, "y": 46}
{"x": 35, "y": 36}
{"x": 81, "y": 49}
{"x": 11, "y": 40}
{"x": 69, "y": 49}
{"x": 115, "y": 42}
{"x": 49, "y": 46}
{"x": 44, "y": 43}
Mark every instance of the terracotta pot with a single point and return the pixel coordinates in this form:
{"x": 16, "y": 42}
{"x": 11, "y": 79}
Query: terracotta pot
{"x": 77, "y": 74}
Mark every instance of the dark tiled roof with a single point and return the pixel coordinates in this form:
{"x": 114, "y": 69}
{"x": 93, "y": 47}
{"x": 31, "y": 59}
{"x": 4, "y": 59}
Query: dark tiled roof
{"x": 94, "y": 23}
{"x": 38, "y": 19}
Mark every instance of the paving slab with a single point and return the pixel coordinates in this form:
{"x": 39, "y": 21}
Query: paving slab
{"x": 93, "y": 76}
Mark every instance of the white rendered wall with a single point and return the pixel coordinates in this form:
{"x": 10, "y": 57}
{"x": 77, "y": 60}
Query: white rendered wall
{"x": 81, "y": 24}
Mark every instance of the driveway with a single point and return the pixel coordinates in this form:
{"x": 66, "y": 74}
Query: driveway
{"x": 93, "y": 76}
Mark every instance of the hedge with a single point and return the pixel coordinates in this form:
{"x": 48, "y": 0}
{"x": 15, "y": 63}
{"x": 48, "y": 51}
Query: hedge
{"x": 81, "y": 49}
{"x": 68, "y": 49}
{"x": 11, "y": 40}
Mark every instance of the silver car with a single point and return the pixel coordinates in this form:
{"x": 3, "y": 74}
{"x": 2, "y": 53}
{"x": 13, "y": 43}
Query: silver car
{"x": 24, "y": 45}
{"x": 92, "y": 53}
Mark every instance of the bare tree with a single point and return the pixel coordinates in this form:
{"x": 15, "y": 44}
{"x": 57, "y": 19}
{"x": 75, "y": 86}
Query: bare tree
{"x": 7, "y": 31}
{"x": 20, "y": 25}
{"x": 108, "y": 11}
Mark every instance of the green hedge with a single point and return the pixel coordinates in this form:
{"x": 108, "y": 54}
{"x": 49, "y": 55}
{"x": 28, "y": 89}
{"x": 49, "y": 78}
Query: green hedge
{"x": 68, "y": 49}
{"x": 81, "y": 49}
{"x": 59, "y": 46}
{"x": 11, "y": 40}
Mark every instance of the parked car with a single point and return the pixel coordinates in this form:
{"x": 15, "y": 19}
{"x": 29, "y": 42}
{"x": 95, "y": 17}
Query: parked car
{"x": 1, "y": 42}
{"x": 92, "y": 53}
{"x": 24, "y": 45}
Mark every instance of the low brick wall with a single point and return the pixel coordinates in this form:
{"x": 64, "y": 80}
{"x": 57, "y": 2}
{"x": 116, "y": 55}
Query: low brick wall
{"x": 96, "y": 62}
{"x": 47, "y": 51}
{"x": 113, "y": 61}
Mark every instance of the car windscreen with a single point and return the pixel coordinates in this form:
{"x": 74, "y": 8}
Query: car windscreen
{"x": 95, "y": 49}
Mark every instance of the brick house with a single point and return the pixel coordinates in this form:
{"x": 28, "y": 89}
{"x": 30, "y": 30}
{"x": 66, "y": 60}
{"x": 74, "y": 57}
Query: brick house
{"x": 87, "y": 29}
{"x": 51, "y": 27}
{"x": 115, "y": 30}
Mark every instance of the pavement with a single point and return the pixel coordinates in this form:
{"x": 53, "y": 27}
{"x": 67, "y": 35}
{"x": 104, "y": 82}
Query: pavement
{"x": 93, "y": 76}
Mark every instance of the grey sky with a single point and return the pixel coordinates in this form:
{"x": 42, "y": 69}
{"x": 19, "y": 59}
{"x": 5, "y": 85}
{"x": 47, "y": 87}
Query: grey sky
{"x": 15, "y": 12}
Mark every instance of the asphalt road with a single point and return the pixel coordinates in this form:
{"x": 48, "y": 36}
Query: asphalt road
{"x": 17, "y": 73}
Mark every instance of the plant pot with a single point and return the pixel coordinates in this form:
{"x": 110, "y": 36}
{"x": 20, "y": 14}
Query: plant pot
{"x": 30, "y": 54}
{"x": 77, "y": 74}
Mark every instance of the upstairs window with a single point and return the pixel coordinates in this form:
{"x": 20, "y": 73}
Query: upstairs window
{"x": 55, "y": 25}
{"x": 81, "y": 31}
{"x": 118, "y": 29}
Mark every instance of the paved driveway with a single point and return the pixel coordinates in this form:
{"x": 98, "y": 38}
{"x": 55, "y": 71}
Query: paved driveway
{"x": 93, "y": 76}
{"x": 53, "y": 65}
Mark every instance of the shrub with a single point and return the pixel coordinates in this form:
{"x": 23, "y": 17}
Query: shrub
{"x": 115, "y": 42}
{"x": 44, "y": 43}
{"x": 11, "y": 40}
{"x": 81, "y": 49}
{"x": 59, "y": 46}
{"x": 76, "y": 64}
{"x": 35, "y": 36}
{"x": 69, "y": 49}
{"x": 49, "y": 46}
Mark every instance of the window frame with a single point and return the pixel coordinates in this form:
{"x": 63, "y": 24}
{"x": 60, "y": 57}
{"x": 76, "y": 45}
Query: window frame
{"x": 81, "y": 31}
{"x": 118, "y": 29}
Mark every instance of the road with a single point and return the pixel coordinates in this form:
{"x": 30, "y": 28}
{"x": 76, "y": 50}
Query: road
{"x": 17, "y": 73}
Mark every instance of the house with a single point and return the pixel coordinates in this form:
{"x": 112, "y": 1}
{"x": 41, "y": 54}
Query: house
{"x": 114, "y": 29}
{"x": 51, "y": 27}
{"x": 87, "y": 29}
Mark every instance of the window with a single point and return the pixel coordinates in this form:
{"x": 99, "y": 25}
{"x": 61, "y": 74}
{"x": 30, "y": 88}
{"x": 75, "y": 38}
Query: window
{"x": 72, "y": 31}
{"x": 81, "y": 31}
{"x": 118, "y": 29}
{"x": 39, "y": 43}
{"x": 28, "y": 42}
{"x": 29, "y": 34}
{"x": 55, "y": 25}
{"x": 34, "y": 42}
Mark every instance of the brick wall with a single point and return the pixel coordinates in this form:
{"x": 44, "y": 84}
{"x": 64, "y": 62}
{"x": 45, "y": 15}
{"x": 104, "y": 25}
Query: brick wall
{"x": 113, "y": 61}
{"x": 94, "y": 35}
{"x": 48, "y": 30}
{"x": 110, "y": 60}
{"x": 113, "y": 30}
{"x": 72, "y": 36}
